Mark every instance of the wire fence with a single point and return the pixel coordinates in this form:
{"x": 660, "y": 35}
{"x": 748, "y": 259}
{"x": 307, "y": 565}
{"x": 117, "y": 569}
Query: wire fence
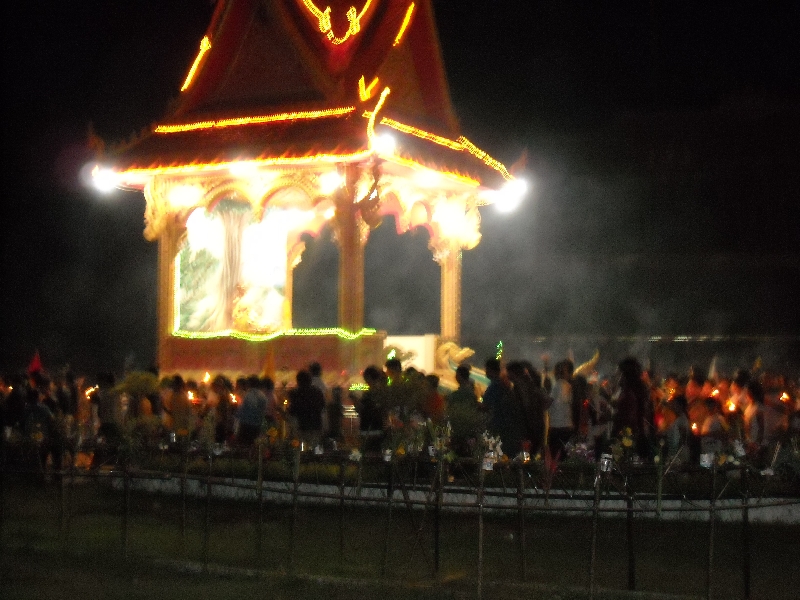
{"x": 425, "y": 487}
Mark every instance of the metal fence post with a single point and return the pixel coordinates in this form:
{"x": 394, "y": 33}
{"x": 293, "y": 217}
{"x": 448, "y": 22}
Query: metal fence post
{"x": 480, "y": 529}
{"x": 295, "y": 494}
{"x": 711, "y": 508}
{"x": 185, "y": 469}
{"x": 595, "y": 513}
{"x": 207, "y": 519}
{"x": 260, "y": 497}
{"x": 126, "y": 510}
{"x": 437, "y": 514}
{"x": 746, "y": 529}
{"x": 342, "y": 466}
{"x": 521, "y": 526}
{"x": 389, "y": 506}
{"x": 629, "y": 535}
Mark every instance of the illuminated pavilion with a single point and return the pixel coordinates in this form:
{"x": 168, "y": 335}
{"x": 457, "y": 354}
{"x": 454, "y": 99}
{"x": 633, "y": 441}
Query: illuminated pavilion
{"x": 296, "y": 115}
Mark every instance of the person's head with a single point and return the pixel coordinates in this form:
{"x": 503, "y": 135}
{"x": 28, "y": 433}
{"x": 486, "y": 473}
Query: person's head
{"x": 432, "y": 381}
{"x": 531, "y": 373}
{"x": 568, "y": 368}
{"x": 266, "y": 384}
{"x": 165, "y": 388}
{"x": 303, "y": 378}
{"x": 492, "y": 368}
{"x": 694, "y": 387}
{"x": 372, "y": 375}
{"x": 630, "y": 371}
{"x": 678, "y": 405}
{"x": 394, "y": 369}
{"x": 315, "y": 369}
{"x": 178, "y": 385}
{"x": 740, "y": 381}
{"x": 462, "y": 374}
{"x": 515, "y": 370}
{"x": 755, "y": 392}
{"x": 221, "y": 386}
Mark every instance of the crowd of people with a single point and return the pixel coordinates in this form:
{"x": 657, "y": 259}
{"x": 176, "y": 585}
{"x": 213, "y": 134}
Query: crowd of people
{"x": 682, "y": 418}
{"x": 536, "y": 413}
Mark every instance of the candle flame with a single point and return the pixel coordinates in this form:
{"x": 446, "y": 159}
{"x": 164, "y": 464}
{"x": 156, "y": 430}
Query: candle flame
{"x": 207, "y": 377}
{"x": 715, "y": 393}
{"x": 731, "y": 406}
{"x": 233, "y": 398}
{"x": 785, "y": 397}
{"x": 694, "y": 426}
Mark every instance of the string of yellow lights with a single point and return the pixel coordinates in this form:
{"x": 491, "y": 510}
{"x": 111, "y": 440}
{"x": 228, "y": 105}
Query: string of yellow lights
{"x": 421, "y": 133}
{"x": 365, "y": 91}
{"x": 264, "y": 337}
{"x": 257, "y": 120}
{"x": 407, "y": 162}
{"x": 462, "y": 144}
{"x": 371, "y": 121}
{"x": 324, "y": 20}
{"x": 406, "y": 20}
{"x": 205, "y": 46}
{"x": 488, "y": 160}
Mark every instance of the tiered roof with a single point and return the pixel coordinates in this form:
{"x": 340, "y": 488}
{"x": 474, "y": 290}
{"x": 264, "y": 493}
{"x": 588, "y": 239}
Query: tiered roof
{"x": 297, "y": 81}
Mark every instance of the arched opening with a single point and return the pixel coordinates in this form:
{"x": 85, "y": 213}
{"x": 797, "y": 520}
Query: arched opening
{"x": 315, "y": 282}
{"x": 401, "y": 280}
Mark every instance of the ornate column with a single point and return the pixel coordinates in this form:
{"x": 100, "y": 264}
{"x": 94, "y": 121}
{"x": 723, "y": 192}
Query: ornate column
{"x": 350, "y": 239}
{"x": 456, "y": 227}
{"x": 168, "y": 243}
{"x": 162, "y": 227}
{"x": 448, "y": 254}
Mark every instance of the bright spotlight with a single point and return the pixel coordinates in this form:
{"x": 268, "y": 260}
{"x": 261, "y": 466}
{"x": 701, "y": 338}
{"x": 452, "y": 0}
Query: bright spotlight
{"x": 330, "y": 182}
{"x": 511, "y": 195}
{"x": 384, "y": 143}
{"x": 104, "y": 179}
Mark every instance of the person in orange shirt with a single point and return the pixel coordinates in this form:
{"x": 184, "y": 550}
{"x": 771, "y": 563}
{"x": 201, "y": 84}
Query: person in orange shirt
{"x": 434, "y": 405}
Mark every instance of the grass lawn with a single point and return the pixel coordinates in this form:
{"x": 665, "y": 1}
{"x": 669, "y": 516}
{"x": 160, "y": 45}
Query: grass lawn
{"x": 47, "y": 554}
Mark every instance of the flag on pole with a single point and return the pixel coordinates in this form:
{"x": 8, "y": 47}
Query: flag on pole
{"x": 35, "y": 365}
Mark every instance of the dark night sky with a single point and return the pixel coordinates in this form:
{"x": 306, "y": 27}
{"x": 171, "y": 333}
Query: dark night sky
{"x": 663, "y": 145}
